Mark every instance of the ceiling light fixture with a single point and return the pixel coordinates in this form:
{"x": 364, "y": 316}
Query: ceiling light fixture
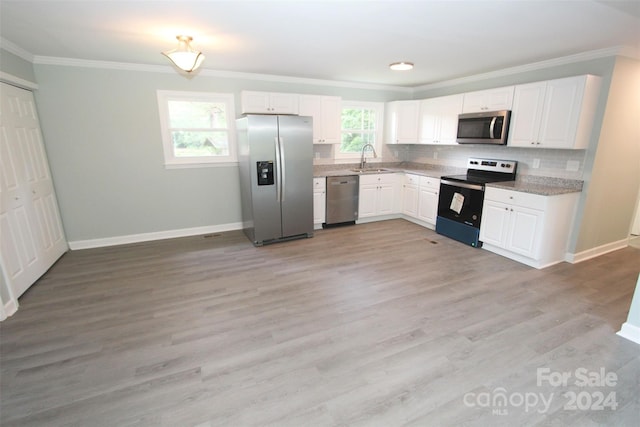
{"x": 184, "y": 56}
{"x": 401, "y": 66}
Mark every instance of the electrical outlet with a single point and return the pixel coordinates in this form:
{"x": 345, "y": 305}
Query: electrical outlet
{"x": 435, "y": 154}
{"x": 395, "y": 153}
{"x": 536, "y": 163}
{"x": 573, "y": 165}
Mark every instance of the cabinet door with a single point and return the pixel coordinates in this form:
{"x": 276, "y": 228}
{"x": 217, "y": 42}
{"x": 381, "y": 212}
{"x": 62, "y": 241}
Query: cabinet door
{"x": 524, "y": 231}
{"x": 386, "y": 199}
{"x": 410, "y": 200}
{"x": 429, "y": 121}
{"x": 561, "y": 112}
{"x": 488, "y": 100}
{"x": 367, "y": 200}
{"x": 450, "y": 108}
{"x": 528, "y": 103}
{"x": 403, "y": 122}
{"x": 428, "y": 205}
{"x": 331, "y": 114}
{"x": 269, "y": 102}
{"x": 311, "y": 105}
{"x": 255, "y": 102}
{"x": 283, "y": 103}
{"x": 319, "y": 207}
{"x": 495, "y": 223}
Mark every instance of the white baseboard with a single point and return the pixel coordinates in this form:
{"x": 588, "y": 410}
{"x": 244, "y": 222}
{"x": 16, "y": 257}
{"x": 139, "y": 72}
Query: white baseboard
{"x": 630, "y": 332}
{"x": 147, "y": 237}
{"x": 595, "y": 252}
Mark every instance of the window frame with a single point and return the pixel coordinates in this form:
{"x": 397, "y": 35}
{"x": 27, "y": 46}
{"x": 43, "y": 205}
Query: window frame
{"x": 378, "y": 107}
{"x": 172, "y": 161}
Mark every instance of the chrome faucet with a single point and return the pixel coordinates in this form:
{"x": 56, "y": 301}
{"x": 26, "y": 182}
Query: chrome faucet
{"x": 363, "y": 160}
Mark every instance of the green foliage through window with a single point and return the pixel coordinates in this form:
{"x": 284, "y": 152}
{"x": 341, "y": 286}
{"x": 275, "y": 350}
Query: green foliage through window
{"x": 358, "y": 129}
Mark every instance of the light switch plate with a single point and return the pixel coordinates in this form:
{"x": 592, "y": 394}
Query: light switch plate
{"x": 536, "y": 163}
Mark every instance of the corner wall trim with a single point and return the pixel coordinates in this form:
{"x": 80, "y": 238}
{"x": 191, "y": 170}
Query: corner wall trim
{"x": 147, "y": 237}
{"x": 596, "y": 252}
{"x": 17, "y": 81}
{"x": 630, "y": 332}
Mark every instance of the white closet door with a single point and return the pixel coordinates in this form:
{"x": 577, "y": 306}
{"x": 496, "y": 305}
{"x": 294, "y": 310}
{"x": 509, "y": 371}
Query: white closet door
{"x": 31, "y": 233}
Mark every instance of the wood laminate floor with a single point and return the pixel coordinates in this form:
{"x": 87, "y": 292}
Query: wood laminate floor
{"x": 381, "y": 324}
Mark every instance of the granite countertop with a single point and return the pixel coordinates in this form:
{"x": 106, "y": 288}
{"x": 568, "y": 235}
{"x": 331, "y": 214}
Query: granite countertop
{"x": 433, "y": 171}
{"x": 544, "y": 186}
{"x": 541, "y": 185}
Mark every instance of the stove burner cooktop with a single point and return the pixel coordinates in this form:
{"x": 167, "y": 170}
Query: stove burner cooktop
{"x": 483, "y": 171}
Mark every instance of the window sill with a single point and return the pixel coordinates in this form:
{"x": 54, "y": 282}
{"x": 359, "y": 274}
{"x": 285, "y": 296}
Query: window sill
{"x": 200, "y": 165}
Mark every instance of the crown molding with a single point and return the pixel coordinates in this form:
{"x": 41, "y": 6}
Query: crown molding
{"x": 15, "y": 49}
{"x": 564, "y": 60}
{"x": 125, "y": 66}
{"x": 627, "y": 51}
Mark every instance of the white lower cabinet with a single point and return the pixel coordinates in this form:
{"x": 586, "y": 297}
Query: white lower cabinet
{"x": 428, "y": 200}
{"x": 319, "y": 201}
{"x": 529, "y": 228}
{"x": 420, "y": 199}
{"x": 379, "y": 195}
{"x": 410, "y": 195}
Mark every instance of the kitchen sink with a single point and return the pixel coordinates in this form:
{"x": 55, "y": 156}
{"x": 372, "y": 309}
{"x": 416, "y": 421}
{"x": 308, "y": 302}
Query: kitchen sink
{"x": 371, "y": 170}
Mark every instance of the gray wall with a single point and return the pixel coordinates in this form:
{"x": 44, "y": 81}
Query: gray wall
{"x": 16, "y": 66}
{"x": 102, "y": 134}
{"x": 612, "y": 176}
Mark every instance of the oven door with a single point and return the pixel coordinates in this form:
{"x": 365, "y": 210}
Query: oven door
{"x": 461, "y": 202}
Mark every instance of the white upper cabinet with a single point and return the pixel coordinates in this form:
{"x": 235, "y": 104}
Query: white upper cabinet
{"x": 326, "y": 112}
{"x": 439, "y": 119}
{"x": 555, "y": 113}
{"x": 402, "y": 122}
{"x": 269, "y": 102}
{"x": 488, "y": 100}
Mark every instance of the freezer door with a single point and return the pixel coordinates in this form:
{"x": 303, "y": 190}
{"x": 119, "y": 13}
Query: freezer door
{"x": 262, "y": 133}
{"x": 296, "y": 172}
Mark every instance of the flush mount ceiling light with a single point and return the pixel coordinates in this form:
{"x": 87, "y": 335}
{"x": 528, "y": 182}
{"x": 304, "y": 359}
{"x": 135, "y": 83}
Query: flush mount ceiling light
{"x": 184, "y": 56}
{"x": 401, "y": 66}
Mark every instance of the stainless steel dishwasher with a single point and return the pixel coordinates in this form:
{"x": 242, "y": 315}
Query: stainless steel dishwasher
{"x": 342, "y": 200}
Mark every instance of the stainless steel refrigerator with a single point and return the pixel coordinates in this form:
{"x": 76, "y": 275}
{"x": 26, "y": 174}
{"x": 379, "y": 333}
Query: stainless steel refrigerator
{"x": 276, "y": 177}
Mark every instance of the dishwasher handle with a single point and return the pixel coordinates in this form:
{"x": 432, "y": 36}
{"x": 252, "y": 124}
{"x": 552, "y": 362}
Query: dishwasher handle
{"x": 347, "y": 181}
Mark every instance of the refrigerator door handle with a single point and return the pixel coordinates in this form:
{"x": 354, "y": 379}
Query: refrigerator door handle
{"x": 283, "y": 181}
{"x": 278, "y": 170}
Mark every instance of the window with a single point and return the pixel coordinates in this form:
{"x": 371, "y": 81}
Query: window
{"x": 197, "y": 128}
{"x": 361, "y": 124}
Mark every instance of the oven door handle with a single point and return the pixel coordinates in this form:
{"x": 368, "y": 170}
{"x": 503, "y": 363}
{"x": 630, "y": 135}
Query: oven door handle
{"x": 462, "y": 184}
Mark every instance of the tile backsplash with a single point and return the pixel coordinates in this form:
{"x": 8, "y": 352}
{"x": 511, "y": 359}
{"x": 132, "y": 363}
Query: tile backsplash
{"x": 568, "y": 164}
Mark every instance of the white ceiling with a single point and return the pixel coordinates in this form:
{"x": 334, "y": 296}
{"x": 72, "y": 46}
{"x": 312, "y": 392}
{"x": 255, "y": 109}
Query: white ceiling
{"x": 351, "y": 41}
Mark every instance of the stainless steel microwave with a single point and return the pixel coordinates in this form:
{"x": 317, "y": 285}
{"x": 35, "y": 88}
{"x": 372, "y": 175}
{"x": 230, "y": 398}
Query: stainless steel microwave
{"x": 489, "y": 127}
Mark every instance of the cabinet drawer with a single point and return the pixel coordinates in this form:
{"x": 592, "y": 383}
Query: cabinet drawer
{"x": 383, "y": 178}
{"x": 410, "y": 179}
{"x": 319, "y": 184}
{"x": 429, "y": 182}
{"x": 516, "y": 198}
